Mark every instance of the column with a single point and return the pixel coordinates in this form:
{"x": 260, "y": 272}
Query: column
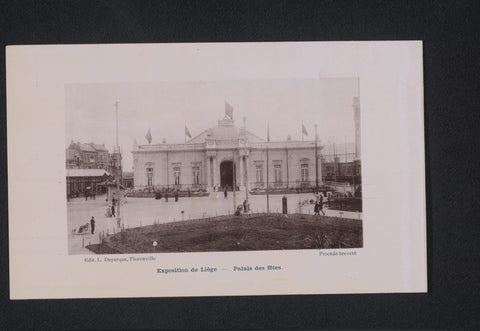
{"x": 207, "y": 175}
{"x": 246, "y": 171}
{"x": 288, "y": 179}
{"x": 241, "y": 179}
{"x": 214, "y": 159}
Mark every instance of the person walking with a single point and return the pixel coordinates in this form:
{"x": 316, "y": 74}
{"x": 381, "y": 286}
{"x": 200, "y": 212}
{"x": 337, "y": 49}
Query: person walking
{"x": 166, "y": 196}
{"x": 113, "y": 210}
{"x": 316, "y": 208}
{"x": 225, "y": 192}
{"x": 176, "y": 196}
{"x": 245, "y": 206}
{"x": 92, "y": 225}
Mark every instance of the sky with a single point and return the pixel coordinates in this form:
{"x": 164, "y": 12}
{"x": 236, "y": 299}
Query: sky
{"x": 166, "y": 107}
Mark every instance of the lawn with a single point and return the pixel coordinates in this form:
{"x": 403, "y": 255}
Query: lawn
{"x": 238, "y": 233}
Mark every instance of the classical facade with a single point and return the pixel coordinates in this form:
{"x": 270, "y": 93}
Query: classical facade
{"x": 223, "y": 155}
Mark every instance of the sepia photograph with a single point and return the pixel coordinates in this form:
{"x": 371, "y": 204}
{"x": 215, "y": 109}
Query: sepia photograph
{"x": 200, "y": 166}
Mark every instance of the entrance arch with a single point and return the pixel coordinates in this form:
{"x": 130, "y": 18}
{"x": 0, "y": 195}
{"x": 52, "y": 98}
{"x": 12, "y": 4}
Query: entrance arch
{"x": 226, "y": 175}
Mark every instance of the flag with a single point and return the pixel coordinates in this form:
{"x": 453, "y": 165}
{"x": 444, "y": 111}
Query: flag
{"x": 187, "y": 133}
{"x": 304, "y": 130}
{"x": 228, "y": 110}
{"x": 149, "y": 136}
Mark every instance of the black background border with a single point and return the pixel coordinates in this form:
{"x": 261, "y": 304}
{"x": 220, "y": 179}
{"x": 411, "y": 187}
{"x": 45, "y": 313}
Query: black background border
{"x": 450, "y": 33}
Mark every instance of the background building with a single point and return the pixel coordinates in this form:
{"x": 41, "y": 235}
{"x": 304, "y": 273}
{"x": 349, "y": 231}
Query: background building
{"x": 81, "y": 182}
{"x": 127, "y": 179}
{"x": 342, "y": 164}
{"x": 88, "y": 165}
{"x": 89, "y": 156}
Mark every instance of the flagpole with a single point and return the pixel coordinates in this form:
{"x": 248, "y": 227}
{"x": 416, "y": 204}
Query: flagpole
{"x": 185, "y": 132}
{"x": 118, "y": 168}
{"x": 316, "y": 161}
{"x": 234, "y": 182}
{"x": 302, "y": 130}
{"x": 346, "y": 166}
{"x": 116, "y": 116}
{"x": 246, "y": 169}
{"x": 335, "y": 162}
{"x": 268, "y": 141}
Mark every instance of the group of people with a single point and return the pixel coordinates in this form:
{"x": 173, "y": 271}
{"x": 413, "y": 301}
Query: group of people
{"x": 158, "y": 195}
{"x": 87, "y": 227}
{"x": 245, "y": 206}
{"x": 110, "y": 211}
{"x": 111, "y": 208}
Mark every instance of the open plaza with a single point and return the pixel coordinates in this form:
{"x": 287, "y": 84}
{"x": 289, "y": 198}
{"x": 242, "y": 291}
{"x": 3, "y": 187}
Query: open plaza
{"x": 146, "y": 211}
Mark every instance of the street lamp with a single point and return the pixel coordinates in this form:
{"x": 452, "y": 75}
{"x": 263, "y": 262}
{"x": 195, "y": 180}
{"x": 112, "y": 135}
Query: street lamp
{"x": 316, "y": 160}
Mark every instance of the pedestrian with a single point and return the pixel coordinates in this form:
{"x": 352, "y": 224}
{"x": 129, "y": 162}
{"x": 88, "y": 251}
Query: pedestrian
{"x": 176, "y": 196}
{"x": 114, "y": 201}
{"x": 320, "y": 206}
{"x": 316, "y": 208}
{"x": 244, "y": 206}
{"x": 225, "y": 192}
{"x": 113, "y": 210}
{"x": 92, "y": 225}
{"x": 166, "y": 196}
{"x": 239, "y": 210}
{"x": 108, "y": 213}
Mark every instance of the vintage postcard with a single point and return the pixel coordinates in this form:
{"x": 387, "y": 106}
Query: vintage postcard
{"x": 209, "y": 169}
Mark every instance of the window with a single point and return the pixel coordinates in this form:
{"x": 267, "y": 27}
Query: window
{"x": 149, "y": 176}
{"x": 196, "y": 175}
{"x": 304, "y": 172}
{"x": 92, "y": 158}
{"x": 330, "y": 171}
{"x": 176, "y": 174}
{"x": 278, "y": 173}
{"x": 259, "y": 173}
{"x": 348, "y": 170}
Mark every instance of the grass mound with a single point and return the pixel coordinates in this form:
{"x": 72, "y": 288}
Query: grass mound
{"x": 241, "y": 233}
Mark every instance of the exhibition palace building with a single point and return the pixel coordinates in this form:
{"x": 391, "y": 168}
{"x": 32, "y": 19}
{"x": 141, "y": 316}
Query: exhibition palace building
{"x": 225, "y": 155}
